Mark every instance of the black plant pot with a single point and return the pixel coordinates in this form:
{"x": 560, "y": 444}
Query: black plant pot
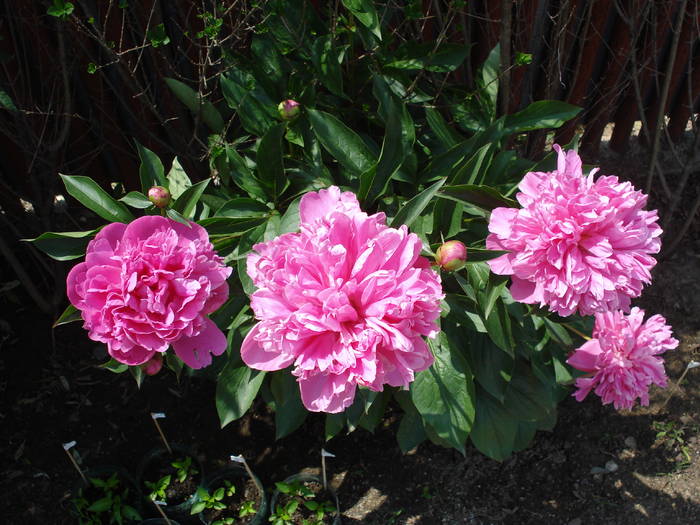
{"x": 104, "y": 472}
{"x": 160, "y": 456}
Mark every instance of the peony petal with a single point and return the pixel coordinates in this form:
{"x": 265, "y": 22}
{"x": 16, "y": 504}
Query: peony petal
{"x": 196, "y": 351}
{"x": 585, "y": 357}
{"x": 326, "y": 393}
{"x": 256, "y": 356}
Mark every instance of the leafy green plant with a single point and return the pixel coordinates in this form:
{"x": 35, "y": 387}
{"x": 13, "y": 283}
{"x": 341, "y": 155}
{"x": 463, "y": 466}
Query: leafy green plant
{"x": 184, "y": 468}
{"x": 104, "y": 501}
{"x": 247, "y": 509}
{"x": 299, "y": 496}
{"x": 377, "y": 118}
{"x": 673, "y": 438}
{"x": 157, "y": 489}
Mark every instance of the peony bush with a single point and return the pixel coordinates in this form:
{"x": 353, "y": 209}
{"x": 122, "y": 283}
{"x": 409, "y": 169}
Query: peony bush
{"x": 298, "y": 274}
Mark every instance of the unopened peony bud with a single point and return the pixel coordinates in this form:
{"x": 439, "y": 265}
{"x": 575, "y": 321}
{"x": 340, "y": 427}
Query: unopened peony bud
{"x": 451, "y": 255}
{"x": 159, "y": 196}
{"x": 153, "y": 365}
{"x": 289, "y": 109}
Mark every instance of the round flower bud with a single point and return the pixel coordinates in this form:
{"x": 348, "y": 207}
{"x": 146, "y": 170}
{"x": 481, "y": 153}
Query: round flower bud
{"x": 153, "y": 365}
{"x": 289, "y": 109}
{"x": 451, "y": 255}
{"x": 159, "y": 196}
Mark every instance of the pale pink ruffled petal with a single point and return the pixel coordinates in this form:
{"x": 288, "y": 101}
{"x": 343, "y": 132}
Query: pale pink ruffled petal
{"x": 327, "y": 393}
{"x": 196, "y": 351}
{"x": 255, "y": 355}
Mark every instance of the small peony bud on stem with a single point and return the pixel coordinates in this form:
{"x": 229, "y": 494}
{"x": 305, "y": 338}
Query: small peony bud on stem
{"x": 159, "y": 196}
{"x": 451, "y": 256}
{"x": 153, "y": 365}
{"x": 289, "y": 109}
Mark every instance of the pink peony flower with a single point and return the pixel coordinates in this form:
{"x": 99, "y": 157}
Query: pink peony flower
{"x": 148, "y": 285}
{"x": 346, "y": 302}
{"x": 576, "y": 243}
{"x": 623, "y": 357}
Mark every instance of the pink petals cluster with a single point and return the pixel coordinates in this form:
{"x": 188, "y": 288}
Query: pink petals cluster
{"x": 623, "y": 358}
{"x": 148, "y": 285}
{"x": 577, "y": 244}
{"x": 346, "y": 301}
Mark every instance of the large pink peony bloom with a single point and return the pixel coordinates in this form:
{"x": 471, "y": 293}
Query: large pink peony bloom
{"x": 623, "y": 357}
{"x": 576, "y": 243}
{"x": 150, "y": 284}
{"x": 346, "y": 301}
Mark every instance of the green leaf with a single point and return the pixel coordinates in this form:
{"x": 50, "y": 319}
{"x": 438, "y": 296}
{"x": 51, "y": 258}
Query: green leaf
{"x": 365, "y": 12}
{"x": 6, "y": 101}
{"x": 151, "y": 169}
{"x": 327, "y": 59}
{"x": 289, "y": 410}
{"x": 197, "y": 104}
{"x": 469, "y": 172}
{"x": 243, "y": 177}
{"x": 138, "y": 375}
{"x": 63, "y": 246}
{"x": 242, "y": 207}
{"x": 527, "y": 398}
{"x": 187, "y": 202}
{"x": 414, "y": 56}
{"x": 334, "y": 424}
{"x": 92, "y": 196}
{"x": 494, "y": 429}
{"x": 178, "y": 181}
{"x": 487, "y": 80}
{"x": 69, "y": 315}
{"x": 290, "y": 220}
{"x": 447, "y": 136}
{"x": 254, "y": 107}
{"x": 236, "y": 389}
{"x": 341, "y": 142}
{"x": 158, "y": 36}
{"x": 114, "y": 366}
{"x": 541, "y": 115}
{"x": 410, "y": 211}
{"x": 231, "y": 226}
{"x": 398, "y": 143}
{"x": 483, "y": 197}
{"x": 492, "y": 367}
{"x": 481, "y": 255}
{"x": 444, "y": 394}
{"x": 136, "y": 199}
{"x": 498, "y": 327}
{"x": 411, "y": 432}
{"x": 101, "y": 505}
{"x": 177, "y": 216}
{"x": 270, "y": 162}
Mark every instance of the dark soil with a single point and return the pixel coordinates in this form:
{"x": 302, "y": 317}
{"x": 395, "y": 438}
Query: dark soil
{"x": 597, "y": 466}
{"x": 246, "y": 490}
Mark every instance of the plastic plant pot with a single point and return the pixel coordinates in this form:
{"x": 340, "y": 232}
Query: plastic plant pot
{"x": 303, "y": 477}
{"x": 159, "y": 459}
{"x": 127, "y": 492}
{"x": 238, "y": 475}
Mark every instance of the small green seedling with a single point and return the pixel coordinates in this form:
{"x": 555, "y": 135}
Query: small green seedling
{"x": 157, "y": 489}
{"x": 110, "y": 508}
{"x": 284, "y": 514}
{"x": 184, "y": 469}
{"x": 247, "y": 508}
{"x": 321, "y": 510}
